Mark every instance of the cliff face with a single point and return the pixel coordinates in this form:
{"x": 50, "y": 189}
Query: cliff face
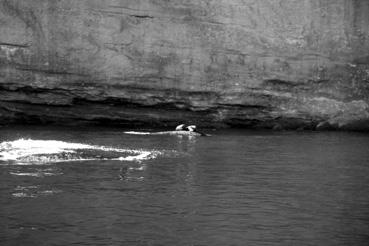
{"x": 271, "y": 63}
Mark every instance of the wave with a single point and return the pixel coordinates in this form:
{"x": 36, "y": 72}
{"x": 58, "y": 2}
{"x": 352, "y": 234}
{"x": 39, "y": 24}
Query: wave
{"x": 175, "y": 133}
{"x": 138, "y": 133}
{"x": 29, "y": 151}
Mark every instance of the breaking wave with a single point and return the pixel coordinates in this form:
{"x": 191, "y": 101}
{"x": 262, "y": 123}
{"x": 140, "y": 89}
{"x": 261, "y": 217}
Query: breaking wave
{"x": 138, "y": 133}
{"x": 50, "y": 151}
{"x": 170, "y": 133}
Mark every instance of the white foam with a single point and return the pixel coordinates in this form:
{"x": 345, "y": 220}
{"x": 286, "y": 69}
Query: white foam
{"x": 27, "y": 174}
{"x": 26, "y": 187}
{"x": 36, "y": 174}
{"x": 22, "y": 194}
{"x": 142, "y": 156}
{"x": 35, "y": 193}
{"x": 138, "y": 133}
{"x": 25, "y": 151}
{"x": 50, "y": 192}
{"x": 170, "y": 133}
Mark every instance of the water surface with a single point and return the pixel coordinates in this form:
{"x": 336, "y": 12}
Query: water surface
{"x": 99, "y": 186}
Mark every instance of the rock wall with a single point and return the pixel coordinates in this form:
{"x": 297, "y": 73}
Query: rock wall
{"x": 270, "y": 64}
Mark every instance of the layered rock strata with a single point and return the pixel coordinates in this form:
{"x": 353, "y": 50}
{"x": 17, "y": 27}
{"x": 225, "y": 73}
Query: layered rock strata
{"x": 282, "y": 64}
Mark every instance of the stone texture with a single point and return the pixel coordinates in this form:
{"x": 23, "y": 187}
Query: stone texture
{"x": 277, "y": 64}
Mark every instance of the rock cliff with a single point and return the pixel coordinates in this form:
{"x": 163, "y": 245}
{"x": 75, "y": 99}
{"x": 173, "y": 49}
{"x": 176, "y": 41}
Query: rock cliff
{"x": 260, "y": 64}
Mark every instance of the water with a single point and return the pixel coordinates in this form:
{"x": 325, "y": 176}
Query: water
{"x": 97, "y": 186}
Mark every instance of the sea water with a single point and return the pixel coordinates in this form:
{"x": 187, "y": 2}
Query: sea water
{"x": 101, "y": 186}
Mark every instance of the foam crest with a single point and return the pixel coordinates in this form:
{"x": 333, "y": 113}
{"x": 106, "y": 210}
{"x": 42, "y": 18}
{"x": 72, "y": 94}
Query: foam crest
{"x": 50, "y": 151}
{"x": 169, "y": 133}
{"x": 138, "y": 133}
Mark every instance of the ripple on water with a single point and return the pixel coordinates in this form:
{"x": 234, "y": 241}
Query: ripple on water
{"x": 35, "y": 171}
{"x": 33, "y": 191}
{"x": 32, "y": 160}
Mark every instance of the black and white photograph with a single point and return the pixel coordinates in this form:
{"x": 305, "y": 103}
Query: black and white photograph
{"x": 184, "y": 122}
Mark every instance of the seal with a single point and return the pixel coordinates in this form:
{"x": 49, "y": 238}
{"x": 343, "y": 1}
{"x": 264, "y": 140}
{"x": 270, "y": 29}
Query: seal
{"x": 193, "y": 128}
{"x": 181, "y": 127}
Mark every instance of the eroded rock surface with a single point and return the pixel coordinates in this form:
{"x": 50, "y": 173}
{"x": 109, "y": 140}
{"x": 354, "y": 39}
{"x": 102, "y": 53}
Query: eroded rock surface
{"x": 272, "y": 63}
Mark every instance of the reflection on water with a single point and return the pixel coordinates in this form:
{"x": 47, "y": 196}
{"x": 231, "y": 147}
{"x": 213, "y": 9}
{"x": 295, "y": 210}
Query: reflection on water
{"x": 102, "y": 187}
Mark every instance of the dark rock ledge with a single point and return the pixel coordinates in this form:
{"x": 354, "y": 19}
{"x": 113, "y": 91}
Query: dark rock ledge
{"x": 261, "y": 110}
